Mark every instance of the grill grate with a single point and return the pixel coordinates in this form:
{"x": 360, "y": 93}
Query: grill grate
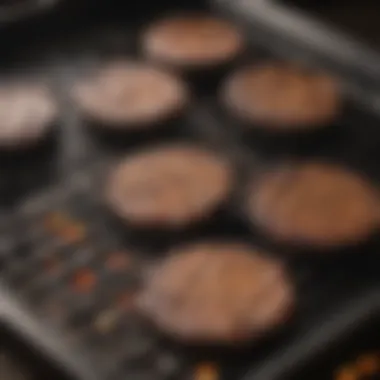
{"x": 74, "y": 272}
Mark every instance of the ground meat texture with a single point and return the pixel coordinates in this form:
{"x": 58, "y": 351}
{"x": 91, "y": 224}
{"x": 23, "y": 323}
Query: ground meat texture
{"x": 27, "y": 111}
{"x": 192, "y": 41}
{"x": 169, "y": 186}
{"x": 281, "y": 97}
{"x": 130, "y": 95}
{"x": 217, "y": 293}
{"x": 315, "y": 204}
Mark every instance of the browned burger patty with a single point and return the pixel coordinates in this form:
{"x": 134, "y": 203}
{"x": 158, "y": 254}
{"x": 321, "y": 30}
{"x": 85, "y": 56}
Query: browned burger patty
{"x": 130, "y": 95}
{"x": 27, "y": 112}
{"x": 217, "y": 293}
{"x": 281, "y": 97}
{"x": 170, "y": 186}
{"x": 315, "y": 204}
{"x": 192, "y": 41}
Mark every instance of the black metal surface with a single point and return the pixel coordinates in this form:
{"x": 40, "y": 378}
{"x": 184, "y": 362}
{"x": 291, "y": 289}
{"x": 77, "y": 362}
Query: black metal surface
{"x": 54, "y": 228}
{"x": 303, "y": 34}
{"x": 14, "y": 11}
{"x": 19, "y": 362}
{"x": 359, "y": 20}
{"x": 362, "y": 340}
{"x": 11, "y": 369}
{"x": 323, "y": 347}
